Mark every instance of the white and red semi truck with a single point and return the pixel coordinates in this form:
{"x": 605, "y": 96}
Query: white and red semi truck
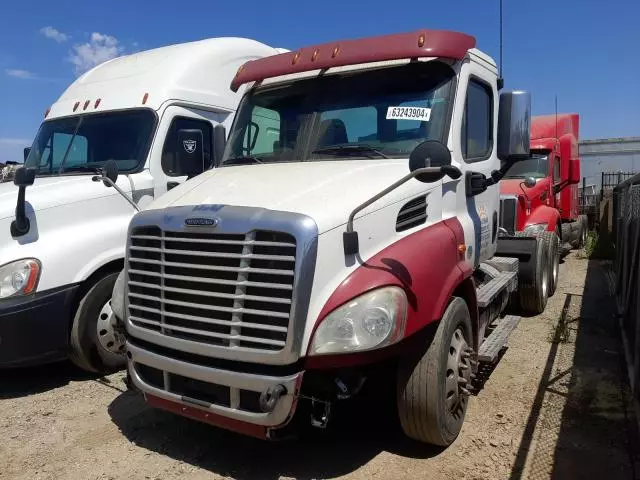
{"x": 353, "y": 222}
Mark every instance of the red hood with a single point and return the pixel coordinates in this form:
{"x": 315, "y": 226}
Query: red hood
{"x": 512, "y": 187}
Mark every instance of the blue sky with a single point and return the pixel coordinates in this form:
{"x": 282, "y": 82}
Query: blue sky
{"x": 586, "y": 52}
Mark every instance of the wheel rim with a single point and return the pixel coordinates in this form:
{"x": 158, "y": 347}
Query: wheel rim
{"x": 458, "y": 374}
{"x": 556, "y": 266}
{"x": 110, "y": 339}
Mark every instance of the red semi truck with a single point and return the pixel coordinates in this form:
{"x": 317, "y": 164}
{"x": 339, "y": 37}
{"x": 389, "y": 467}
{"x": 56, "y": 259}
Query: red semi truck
{"x": 540, "y": 195}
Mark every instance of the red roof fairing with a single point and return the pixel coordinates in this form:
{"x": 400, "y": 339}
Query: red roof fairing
{"x": 423, "y": 43}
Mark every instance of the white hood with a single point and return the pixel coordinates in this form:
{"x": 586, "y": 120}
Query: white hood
{"x": 49, "y": 192}
{"x": 326, "y": 191}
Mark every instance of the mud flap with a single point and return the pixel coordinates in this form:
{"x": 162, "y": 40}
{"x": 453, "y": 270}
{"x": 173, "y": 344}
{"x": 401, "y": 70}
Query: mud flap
{"x": 524, "y": 249}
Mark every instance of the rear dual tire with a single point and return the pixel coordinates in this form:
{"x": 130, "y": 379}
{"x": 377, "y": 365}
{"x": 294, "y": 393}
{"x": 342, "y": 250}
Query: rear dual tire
{"x": 533, "y": 296}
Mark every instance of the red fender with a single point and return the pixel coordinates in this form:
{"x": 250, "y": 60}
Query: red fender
{"x": 428, "y": 265}
{"x": 545, "y": 214}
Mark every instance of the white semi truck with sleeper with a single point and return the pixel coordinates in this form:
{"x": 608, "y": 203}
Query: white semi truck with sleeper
{"x": 153, "y": 115}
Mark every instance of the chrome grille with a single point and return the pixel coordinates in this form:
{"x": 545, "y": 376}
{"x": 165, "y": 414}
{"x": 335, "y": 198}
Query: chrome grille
{"x": 228, "y": 290}
{"x": 508, "y": 214}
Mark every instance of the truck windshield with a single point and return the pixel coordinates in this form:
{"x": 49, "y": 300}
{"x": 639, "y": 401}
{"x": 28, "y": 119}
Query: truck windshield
{"x": 537, "y": 166}
{"x": 121, "y": 136}
{"x": 365, "y": 114}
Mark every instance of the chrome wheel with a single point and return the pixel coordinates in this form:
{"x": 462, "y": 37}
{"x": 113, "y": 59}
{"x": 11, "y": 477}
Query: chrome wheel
{"x": 458, "y": 375}
{"x": 108, "y": 336}
{"x": 545, "y": 283}
{"x": 556, "y": 265}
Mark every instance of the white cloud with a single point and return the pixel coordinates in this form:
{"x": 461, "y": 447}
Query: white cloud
{"x": 99, "y": 49}
{"x": 22, "y": 74}
{"x": 54, "y": 34}
{"x": 14, "y": 141}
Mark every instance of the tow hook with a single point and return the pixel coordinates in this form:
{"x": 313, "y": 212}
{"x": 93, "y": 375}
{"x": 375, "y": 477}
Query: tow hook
{"x": 270, "y": 397}
{"x": 347, "y": 391}
{"x": 320, "y": 413}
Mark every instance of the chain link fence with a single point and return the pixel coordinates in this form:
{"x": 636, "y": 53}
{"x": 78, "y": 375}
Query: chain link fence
{"x": 626, "y": 238}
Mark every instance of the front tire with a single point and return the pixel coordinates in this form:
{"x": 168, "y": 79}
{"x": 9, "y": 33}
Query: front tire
{"x": 432, "y": 393}
{"x": 95, "y": 345}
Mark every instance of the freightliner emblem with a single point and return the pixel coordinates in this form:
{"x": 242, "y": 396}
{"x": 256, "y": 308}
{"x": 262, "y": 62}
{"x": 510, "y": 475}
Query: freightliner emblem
{"x": 202, "y": 222}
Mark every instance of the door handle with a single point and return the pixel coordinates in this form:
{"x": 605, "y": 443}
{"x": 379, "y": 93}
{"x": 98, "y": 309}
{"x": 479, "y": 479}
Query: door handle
{"x": 170, "y": 185}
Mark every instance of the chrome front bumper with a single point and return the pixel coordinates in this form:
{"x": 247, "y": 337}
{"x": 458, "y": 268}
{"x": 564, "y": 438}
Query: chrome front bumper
{"x": 236, "y": 382}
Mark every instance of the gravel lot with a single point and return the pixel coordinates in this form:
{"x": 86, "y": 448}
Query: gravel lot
{"x": 556, "y": 406}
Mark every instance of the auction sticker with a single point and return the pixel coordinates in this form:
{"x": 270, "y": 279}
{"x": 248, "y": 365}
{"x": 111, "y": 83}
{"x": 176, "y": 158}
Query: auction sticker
{"x": 409, "y": 113}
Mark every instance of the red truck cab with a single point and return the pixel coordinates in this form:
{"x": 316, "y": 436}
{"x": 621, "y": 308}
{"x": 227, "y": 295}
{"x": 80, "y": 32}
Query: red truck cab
{"x": 541, "y": 194}
{"x": 552, "y": 202}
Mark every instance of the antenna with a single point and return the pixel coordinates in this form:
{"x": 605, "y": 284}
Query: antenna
{"x": 500, "y": 77}
{"x": 556, "y": 115}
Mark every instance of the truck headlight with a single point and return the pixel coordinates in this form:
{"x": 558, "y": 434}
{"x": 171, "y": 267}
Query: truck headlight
{"x": 535, "y": 229}
{"x": 117, "y": 297}
{"x": 372, "y": 320}
{"x": 19, "y": 277}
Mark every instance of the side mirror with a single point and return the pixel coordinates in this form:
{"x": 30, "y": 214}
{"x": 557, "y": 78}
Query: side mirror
{"x": 25, "y": 153}
{"x": 24, "y": 177}
{"x": 219, "y": 143}
{"x": 514, "y": 126}
{"x": 110, "y": 172}
{"x": 432, "y": 153}
{"x": 190, "y": 153}
{"x": 529, "y": 182}
{"x": 574, "y": 171}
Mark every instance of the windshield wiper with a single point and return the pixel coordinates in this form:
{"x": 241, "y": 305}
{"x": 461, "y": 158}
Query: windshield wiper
{"x": 242, "y": 160}
{"x": 350, "y": 148}
{"x": 66, "y": 153}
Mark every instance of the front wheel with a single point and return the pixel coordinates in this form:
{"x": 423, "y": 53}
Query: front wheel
{"x": 96, "y": 345}
{"x": 432, "y": 389}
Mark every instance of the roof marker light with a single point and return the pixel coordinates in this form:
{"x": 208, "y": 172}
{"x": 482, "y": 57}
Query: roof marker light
{"x": 86, "y": 104}
{"x": 295, "y": 58}
{"x": 75, "y": 107}
{"x": 315, "y": 55}
{"x": 421, "y": 40}
{"x": 144, "y": 98}
{"x": 335, "y": 51}
{"x": 95, "y": 105}
{"x": 46, "y": 113}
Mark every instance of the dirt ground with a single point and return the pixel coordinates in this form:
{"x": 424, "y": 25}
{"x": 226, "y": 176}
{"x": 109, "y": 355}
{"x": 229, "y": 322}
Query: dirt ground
{"x": 556, "y": 406}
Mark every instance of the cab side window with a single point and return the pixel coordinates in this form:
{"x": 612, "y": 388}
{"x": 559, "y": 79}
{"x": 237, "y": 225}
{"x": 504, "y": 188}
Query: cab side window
{"x": 477, "y": 122}
{"x": 170, "y": 158}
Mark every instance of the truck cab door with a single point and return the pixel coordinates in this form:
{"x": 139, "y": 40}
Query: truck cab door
{"x": 473, "y": 141}
{"x": 183, "y": 147}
